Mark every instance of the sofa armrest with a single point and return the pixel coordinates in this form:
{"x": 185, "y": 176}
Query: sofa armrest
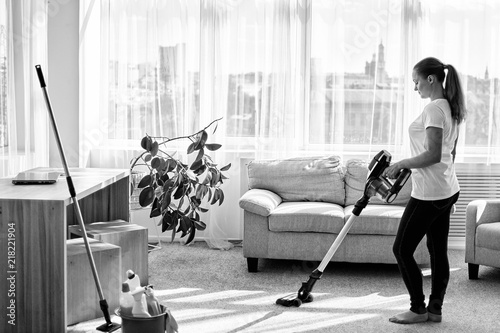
{"x": 478, "y": 212}
{"x": 260, "y": 202}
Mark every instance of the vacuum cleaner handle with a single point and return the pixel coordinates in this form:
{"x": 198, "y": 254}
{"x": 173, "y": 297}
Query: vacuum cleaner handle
{"x": 400, "y": 181}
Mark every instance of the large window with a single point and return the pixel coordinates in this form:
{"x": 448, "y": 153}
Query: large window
{"x": 311, "y": 75}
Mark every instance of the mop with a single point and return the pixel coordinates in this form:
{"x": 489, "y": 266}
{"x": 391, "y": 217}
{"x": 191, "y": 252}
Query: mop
{"x": 376, "y": 185}
{"x": 108, "y": 326}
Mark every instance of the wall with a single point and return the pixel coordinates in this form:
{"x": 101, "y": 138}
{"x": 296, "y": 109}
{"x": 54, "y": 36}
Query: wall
{"x": 62, "y": 77}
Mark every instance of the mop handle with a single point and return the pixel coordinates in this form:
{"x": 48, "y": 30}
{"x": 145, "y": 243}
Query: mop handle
{"x": 336, "y": 243}
{"x": 71, "y": 187}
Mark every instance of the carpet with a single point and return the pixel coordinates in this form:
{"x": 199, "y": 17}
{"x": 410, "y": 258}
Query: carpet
{"x": 210, "y": 290}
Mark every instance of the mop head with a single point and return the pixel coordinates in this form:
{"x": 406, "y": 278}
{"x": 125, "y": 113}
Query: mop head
{"x": 108, "y": 327}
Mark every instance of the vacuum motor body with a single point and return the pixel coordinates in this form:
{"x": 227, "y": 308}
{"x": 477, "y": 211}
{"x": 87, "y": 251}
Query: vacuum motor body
{"x": 378, "y": 185}
{"x": 383, "y": 188}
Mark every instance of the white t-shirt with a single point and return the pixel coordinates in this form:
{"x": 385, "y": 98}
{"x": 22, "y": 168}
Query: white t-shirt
{"x": 439, "y": 180}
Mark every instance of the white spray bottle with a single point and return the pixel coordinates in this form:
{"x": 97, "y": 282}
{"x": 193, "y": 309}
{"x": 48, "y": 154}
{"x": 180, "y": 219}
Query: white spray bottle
{"x": 126, "y": 300}
{"x": 133, "y": 280}
{"x": 140, "y": 308}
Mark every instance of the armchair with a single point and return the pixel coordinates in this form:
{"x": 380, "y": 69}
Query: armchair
{"x": 482, "y": 230}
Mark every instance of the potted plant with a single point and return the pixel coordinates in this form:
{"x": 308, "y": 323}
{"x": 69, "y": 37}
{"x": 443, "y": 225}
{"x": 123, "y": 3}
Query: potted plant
{"x": 175, "y": 190}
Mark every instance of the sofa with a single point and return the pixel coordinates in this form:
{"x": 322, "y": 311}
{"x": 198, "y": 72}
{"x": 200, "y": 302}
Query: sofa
{"x": 294, "y": 208}
{"x": 482, "y": 235}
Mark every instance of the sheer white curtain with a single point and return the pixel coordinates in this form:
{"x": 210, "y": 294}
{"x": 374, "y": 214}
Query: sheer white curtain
{"x": 358, "y": 77}
{"x": 140, "y": 60}
{"x": 24, "y": 123}
{"x": 466, "y": 34}
{"x": 251, "y": 69}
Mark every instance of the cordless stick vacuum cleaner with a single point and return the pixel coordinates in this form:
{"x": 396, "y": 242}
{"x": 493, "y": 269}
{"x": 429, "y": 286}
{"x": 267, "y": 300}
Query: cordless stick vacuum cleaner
{"x": 108, "y": 326}
{"x": 376, "y": 185}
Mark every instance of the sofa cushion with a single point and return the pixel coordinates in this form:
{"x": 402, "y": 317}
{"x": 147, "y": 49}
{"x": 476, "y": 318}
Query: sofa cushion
{"x": 318, "y": 179}
{"x": 376, "y": 219}
{"x": 488, "y": 236}
{"x": 307, "y": 217}
{"x": 355, "y": 179}
{"x": 260, "y": 202}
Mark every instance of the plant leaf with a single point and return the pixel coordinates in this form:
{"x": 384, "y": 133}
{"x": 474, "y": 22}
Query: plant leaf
{"x": 221, "y": 198}
{"x": 225, "y": 168}
{"x": 191, "y": 236}
{"x": 215, "y": 197}
{"x": 146, "y": 143}
{"x": 200, "y": 170}
{"x": 154, "y": 148}
{"x": 208, "y": 178}
{"x": 200, "y": 191}
{"x": 171, "y": 164}
{"x": 201, "y": 140}
{"x": 179, "y": 192}
{"x": 200, "y": 225}
{"x": 213, "y": 146}
{"x": 215, "y": 177}
{"x": 200, "y": 155}
{"x": 166, "y": 222}
{"x": 154, "y": 212}
{"x": 155, "y": 203}
{"x": 191, "y": 148}
{"x": 196, "y": 164}
{"x": 166, "y": 200}
{"x": 186, "y": 223}
{"x": 169, "y": 184}
{"x": 156, "y": 163}
{"x": 173, "y": 236}
{"x": 146, "y": 196}
{"x": 145, "y": 181}
{"x": 147, "y": 158}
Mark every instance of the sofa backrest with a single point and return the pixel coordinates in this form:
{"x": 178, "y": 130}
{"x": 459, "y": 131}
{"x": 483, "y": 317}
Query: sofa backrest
{"x": 355, "y": 178}
{"x": 300, "y": 179}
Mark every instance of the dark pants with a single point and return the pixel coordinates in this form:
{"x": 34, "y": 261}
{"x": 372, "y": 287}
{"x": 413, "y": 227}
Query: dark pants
{"x": 430, "y": 218}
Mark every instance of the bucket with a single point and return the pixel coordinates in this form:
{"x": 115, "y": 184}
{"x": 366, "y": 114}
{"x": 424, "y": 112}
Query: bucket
{"x": 153, "y": 324}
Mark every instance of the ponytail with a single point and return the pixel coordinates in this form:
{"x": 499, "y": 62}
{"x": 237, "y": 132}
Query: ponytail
{"x": 452, "y": 87}
{"x": 454, "y": 94}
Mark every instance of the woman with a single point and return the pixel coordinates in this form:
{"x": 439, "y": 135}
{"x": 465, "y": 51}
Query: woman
{"x": 433, "y": 139}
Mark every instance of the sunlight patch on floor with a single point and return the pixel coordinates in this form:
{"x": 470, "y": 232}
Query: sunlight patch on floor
{"x": 215, "y": 296}
{"x": 297, "y": 321}
{"x": 168, "y": 292}
{"x": 368, "y": 301}
{"x": 427, "y": 271}
{"x": 198, "y": 313}
{"x": 223, "y": 324}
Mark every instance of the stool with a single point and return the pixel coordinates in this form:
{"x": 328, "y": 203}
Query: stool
{"x": 82, "y": 297}
{"x": 132, "y": 238}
